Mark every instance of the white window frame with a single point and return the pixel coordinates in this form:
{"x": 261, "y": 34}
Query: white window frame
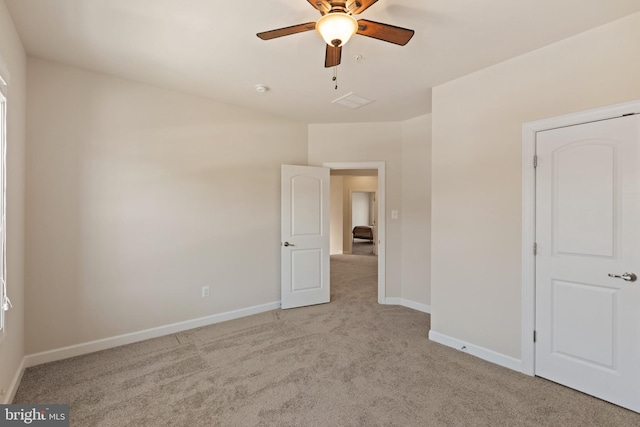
{"x": 5, "y": 303}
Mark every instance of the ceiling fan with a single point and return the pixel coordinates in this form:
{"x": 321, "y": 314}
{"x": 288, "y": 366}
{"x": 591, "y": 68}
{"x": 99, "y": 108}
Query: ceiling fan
{"x": 337, "y": 25}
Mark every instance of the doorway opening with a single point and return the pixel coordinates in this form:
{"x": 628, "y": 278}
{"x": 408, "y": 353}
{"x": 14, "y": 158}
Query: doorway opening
{"x": 364, "y": 217}
{"x": 367, "y": 181}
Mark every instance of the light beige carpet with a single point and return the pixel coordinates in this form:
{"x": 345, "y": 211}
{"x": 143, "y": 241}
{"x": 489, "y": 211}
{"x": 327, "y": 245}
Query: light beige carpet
{"x": 361, "y": 247}
{"x": 348, "y": 363}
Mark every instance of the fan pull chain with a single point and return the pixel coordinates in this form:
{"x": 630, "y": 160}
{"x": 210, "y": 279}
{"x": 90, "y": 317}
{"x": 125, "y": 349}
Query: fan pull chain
{"x": 335, "y": 77}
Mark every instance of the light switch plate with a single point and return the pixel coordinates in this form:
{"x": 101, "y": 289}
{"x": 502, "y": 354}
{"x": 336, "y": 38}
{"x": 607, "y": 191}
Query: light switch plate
{"x": 394, "y": 214}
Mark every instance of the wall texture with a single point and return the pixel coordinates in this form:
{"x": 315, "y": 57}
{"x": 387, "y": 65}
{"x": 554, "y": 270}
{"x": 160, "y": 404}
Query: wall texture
{"x": 416, "y": 210}
{"x": 139, "y": 196}
{"x": 13, "y": 68}
{"x": 477, "y": 138}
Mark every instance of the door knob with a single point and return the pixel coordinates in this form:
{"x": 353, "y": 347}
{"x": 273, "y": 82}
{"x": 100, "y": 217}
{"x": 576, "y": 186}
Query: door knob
{"x": 288, "y": 244}
{"x": 629, "y": 277}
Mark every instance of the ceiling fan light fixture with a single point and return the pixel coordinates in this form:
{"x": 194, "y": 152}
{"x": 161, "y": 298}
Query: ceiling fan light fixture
{"x": 336, "y": 28}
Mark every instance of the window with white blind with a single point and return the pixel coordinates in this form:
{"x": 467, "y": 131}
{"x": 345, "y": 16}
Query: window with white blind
{"x": 5, "y": 304}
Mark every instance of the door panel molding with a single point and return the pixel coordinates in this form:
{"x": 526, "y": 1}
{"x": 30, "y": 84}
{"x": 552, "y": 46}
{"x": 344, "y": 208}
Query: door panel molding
{"x": 529, "y": 131}
{"x": 304, "y": 234}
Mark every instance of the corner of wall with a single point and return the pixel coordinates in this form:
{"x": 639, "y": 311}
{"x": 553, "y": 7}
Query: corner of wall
{"x": 13, "y": 59}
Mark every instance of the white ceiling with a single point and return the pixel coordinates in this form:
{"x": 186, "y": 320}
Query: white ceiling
{"x": 209, "y": 47}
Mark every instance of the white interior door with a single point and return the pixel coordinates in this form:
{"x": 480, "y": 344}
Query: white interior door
{"x": 305, "y": 236}
{"x": 588, "y": 229}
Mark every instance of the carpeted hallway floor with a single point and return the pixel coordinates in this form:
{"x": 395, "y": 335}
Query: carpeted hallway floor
{"x": 348, "y": 363}
{"x": 361, "y": 247}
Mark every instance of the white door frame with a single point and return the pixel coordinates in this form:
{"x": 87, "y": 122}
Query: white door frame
{"x": 380, "y": 167}
{"x": 529, "y": 131}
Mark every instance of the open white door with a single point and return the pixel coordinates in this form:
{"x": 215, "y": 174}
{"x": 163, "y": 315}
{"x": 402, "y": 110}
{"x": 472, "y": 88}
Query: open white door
{"x": 304, "y": 236}
{"x": 588, "y": 239}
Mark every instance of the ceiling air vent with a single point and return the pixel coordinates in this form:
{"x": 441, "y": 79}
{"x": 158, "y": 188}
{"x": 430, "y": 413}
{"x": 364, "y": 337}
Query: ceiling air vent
{"x": 352, "y": 101}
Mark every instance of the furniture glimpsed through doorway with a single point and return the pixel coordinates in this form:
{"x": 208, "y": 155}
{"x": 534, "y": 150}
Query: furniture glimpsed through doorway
{"x": 341, "y": 230}
{"x": 363, "y": 223}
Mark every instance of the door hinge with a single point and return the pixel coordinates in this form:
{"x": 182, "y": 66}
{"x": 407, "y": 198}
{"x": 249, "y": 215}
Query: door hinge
{"x": 535, "y": 161}
{"x": 534, "y": 336}
{"x": 535, "y": 249}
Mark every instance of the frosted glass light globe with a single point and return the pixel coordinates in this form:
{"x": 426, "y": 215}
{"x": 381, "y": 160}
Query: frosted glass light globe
{"x": 336, "y": 28}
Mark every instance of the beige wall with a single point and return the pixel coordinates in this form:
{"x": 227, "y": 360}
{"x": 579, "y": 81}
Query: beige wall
{"x": 416, "y": 209}
{"x": 395, "y": 143}
{"x": 335, "y": 205}
{"x": 13, "y": 68}
{"x": 139, "y": 196}
{"x": 477, "y": 136}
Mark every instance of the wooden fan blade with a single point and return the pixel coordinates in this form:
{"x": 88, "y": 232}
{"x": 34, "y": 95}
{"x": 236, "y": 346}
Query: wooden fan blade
{"x": 332, "y": 56}
{"x": 323, "y": 6}
{"x": 268, "y": 35}
{"x": 385, "y": 32}
{"x": 358, "y": 6}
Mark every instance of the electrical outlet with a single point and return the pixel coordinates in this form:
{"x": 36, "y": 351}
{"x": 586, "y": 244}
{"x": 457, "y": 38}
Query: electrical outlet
{"x": 205, "y": 291}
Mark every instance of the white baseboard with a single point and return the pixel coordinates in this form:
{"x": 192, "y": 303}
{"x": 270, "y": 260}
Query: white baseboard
{"x": 481, "y": 352}
{"x": 13, "y": 387}
{"x": 103, "y": 344}
{"x": 416, "y": 305}
{"x": 409, "y": 304}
